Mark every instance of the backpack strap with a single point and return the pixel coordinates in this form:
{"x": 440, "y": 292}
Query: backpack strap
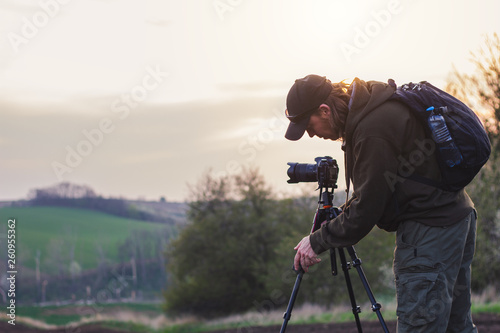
{"x": 347, "y": 167}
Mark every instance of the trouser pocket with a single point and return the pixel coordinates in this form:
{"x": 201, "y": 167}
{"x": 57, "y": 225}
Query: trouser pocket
{"x": 416, "y": 293}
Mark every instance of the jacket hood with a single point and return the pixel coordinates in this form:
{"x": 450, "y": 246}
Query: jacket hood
{"x": 365, "y": 96}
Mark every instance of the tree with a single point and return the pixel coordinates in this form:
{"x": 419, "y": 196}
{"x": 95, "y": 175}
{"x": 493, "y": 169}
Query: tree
{"x": 64, "y": 190}
{"x": 481, "y": 90}
{"x": 219, "y": 262}
{"x": 143, "y": 248}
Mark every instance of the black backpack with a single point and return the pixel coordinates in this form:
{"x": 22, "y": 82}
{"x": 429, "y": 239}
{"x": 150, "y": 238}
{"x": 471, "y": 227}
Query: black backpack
{"x": 465, "y": 129}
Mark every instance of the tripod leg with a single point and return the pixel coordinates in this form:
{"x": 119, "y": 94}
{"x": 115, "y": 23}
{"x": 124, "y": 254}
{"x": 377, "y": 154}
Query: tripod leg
{"x": 288, "y": 314}
{"x": 356, "y": 262}
{"x": 355, "y": 308}
{"x": 333, "y": 262}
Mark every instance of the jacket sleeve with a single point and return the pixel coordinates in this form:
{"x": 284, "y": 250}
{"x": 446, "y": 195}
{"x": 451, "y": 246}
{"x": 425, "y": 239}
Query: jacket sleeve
{"x": 375, "y": 165}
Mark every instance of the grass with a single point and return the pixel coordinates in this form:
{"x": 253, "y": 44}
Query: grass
{"x": 63, "y": 315}
{"x": 47, "y": 315}
{"x": 306, "y": 315}
{"x": 486, "y": 308}
{"x": 47, "y": 229}
{"x": 141, "y": 318}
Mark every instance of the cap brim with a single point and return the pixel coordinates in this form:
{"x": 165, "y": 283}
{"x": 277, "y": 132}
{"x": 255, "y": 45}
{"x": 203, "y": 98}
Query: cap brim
{"x": 296, "y": 130}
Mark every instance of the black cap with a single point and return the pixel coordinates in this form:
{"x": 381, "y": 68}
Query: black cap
{"x": 304, "y": 97}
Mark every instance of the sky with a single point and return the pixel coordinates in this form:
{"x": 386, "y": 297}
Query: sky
{"x": 140, "y": 99}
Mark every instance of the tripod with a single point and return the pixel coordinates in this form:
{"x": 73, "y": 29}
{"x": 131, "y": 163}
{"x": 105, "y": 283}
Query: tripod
{"x": 326, "y": 212}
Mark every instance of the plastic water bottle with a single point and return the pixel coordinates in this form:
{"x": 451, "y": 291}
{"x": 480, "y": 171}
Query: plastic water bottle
{"x": 449, "y": 151}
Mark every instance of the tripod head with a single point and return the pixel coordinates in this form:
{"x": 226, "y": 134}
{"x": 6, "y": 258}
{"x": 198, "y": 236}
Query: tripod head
{"x": 325, "y": 211}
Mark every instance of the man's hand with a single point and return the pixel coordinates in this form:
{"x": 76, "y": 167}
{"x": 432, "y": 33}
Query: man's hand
{"x": 305, "y": 255}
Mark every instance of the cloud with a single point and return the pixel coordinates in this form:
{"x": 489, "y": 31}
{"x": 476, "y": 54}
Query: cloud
{"x": 155, "y": 151}
{"x": 19, "y": 6}
{"x": 171, "y": 143}
{"x": 159, "y": 22}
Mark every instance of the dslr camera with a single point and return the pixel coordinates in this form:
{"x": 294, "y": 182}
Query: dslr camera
{"x": 325, "y": 171}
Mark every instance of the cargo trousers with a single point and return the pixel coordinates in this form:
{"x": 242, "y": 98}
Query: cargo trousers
{"x": 432, "y": 267}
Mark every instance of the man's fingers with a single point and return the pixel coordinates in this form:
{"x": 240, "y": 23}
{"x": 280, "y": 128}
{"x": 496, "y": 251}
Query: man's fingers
{"x": 298, "y": 245}
{"x": 301, "y": 261}
{"x": 296, "y": 262}
{"x": 305, "y": 267}
{"x": 307, "y": 262}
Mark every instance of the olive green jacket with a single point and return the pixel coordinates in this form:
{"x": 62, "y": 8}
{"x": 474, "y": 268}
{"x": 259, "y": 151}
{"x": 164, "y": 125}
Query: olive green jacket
{"x": 385, "y": 144}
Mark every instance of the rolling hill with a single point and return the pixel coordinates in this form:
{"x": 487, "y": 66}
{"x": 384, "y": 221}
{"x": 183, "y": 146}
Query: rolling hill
{"x": 56, "y": 231}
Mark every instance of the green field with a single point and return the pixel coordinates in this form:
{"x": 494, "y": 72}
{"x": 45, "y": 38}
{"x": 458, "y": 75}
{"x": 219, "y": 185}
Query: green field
{"x": 55, "y": 229}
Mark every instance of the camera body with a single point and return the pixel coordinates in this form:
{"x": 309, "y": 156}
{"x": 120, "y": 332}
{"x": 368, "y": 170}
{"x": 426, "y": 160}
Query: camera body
{"x": 325, "y": 171}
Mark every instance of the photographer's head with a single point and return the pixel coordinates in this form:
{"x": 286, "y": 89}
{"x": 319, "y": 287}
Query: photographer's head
{"x": 317, "y": 106}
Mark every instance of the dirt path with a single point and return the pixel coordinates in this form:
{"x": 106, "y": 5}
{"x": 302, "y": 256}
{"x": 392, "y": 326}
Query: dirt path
{"x": 486, "y": 323}
{"x": 7, "y": 328}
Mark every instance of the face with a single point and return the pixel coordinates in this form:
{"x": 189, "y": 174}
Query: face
{"x": 320, "y": 124}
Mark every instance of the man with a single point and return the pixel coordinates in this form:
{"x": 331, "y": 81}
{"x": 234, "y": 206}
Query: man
{"x": 435, "y": 229}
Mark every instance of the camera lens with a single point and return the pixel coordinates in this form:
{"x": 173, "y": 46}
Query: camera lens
{"x": 302, "y": 172}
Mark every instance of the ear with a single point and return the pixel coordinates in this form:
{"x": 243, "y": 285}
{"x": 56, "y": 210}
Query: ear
{"x": 324, "y": 109}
